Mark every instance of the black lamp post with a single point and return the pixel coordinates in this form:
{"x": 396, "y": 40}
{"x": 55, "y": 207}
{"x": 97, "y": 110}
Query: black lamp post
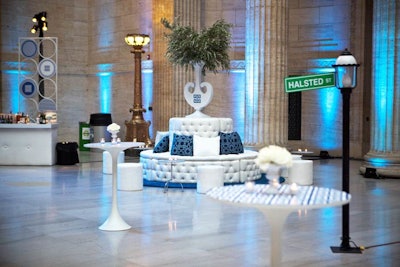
{"x": 41, "y": 25}
{"x": 346, "y": 80}
{"x": 137, "y": 129}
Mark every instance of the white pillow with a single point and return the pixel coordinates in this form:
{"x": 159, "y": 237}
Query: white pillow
{"x": 205, "y": 146}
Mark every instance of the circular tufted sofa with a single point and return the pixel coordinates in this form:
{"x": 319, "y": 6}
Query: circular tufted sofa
{"x": 237, "y": 167}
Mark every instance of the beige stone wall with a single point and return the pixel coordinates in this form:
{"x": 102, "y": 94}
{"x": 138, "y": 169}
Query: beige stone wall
{"x": 318, "y": 32}
{"x": 91, "y": 41}
{"x": 68, "y": 21}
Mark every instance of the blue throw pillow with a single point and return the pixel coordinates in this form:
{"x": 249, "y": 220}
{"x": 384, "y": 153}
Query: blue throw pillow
{"x": 230, "y": 143}
{"x": 162, "y": 145}
{"x": 182, "y": 145}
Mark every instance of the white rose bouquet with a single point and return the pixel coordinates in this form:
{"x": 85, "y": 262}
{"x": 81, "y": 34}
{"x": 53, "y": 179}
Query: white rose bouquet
{"x": 273, "y": 155}
{"x": 113, "y": 128}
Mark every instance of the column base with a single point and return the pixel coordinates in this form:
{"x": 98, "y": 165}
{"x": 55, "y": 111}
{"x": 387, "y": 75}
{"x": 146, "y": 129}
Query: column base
{"x": 385, "y": 165}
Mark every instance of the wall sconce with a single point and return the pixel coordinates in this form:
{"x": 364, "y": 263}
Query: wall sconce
{"x": 137, "y": 129}
{"x": 346, "y": 80}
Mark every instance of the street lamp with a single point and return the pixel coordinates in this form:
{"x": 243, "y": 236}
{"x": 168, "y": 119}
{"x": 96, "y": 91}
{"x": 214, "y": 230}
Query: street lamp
{"x": 41, "y": 25}
{"x": 137, "y": 129}
{"x": 345, "y": 80}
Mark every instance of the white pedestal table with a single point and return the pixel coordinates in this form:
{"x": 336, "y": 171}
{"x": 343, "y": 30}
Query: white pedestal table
{"x": 276, "y": 207}
{"x": 114, "y": 221}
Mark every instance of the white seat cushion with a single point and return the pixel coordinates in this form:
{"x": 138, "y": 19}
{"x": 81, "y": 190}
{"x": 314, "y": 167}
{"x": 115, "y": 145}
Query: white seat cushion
{"x": 205, "y": 146}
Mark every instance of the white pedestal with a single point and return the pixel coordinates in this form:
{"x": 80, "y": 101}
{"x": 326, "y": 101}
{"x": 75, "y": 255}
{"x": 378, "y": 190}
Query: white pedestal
{"x": 301, "y": 172}
{"x": 209, "y": 177}
{"x": 130, "y": 176}
{"x": 107, "y": 161}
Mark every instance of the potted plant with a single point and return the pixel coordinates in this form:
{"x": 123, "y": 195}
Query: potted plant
{"x": 209, "y": 46}
{"x": 206, "y": 50}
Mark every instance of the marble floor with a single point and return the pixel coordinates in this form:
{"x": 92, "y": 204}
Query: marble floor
{"x": 49, "y": 216}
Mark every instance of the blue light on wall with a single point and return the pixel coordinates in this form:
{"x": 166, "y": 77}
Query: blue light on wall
{"x": 238, "y": 111}
{"x": 14, "y": 90}
{"x": 384, "y": 74}
{"x": 378, "y": 162}
{"x": 383, "y": 86}
{"x": 329, "y": 102}
{"x": 147, "y": 91}
{"x": 105, "y": 87}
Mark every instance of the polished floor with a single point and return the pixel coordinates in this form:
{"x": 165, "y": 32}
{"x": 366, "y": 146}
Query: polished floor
{"x": 49, "y": 216}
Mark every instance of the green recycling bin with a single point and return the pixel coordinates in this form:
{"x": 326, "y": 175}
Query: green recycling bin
{"x": 84, "y": 135}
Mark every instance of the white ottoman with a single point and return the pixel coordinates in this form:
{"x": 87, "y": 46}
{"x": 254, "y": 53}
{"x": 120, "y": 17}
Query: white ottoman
{"x": 209, "y": 176}
{"x": 107, "y": 161}
{"x": 301, "y": 172}
{"x": 130, "y": 176}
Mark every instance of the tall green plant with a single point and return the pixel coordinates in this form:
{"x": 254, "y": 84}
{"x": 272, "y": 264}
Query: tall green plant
{"x": 210, "y": 46}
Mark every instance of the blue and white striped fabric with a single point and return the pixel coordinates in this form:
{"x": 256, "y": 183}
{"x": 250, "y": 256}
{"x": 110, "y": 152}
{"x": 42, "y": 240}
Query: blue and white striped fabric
{"x": 306, "y": 196}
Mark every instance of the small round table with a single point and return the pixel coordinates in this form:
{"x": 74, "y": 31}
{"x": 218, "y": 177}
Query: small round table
{"x": 277, "y": 206}
{"x": 114, "y": 221}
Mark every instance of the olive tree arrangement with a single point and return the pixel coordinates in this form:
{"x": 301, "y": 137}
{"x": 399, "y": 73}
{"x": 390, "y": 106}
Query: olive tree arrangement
{"x": 209, "y": 46}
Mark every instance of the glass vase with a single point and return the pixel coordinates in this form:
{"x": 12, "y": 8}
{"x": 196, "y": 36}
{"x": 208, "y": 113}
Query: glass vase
{"x": 273, "y": 174}
{"x": 114, "y": 137}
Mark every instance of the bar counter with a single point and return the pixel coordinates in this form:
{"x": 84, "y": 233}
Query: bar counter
{"x": 28, "y": 144}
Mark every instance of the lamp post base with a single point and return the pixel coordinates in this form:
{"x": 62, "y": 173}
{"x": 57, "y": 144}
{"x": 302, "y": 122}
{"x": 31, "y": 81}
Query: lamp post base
{"x": 346, "y": 250}
{"x": 138, "y": 131}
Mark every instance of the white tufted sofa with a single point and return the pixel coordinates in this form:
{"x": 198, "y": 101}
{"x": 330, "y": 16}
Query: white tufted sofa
{"x": 238, "y": 167}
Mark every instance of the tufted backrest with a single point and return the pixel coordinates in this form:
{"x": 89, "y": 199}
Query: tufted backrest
{"x": 204, "y": 127}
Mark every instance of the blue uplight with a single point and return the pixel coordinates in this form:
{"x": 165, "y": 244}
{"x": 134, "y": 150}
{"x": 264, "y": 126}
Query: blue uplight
{"x": 147, "y": 91}
{"x": 378, "y": 162}
{"x": 105, "y": 87}
{"x": 14, "y": 90}
{"x": 385, "y": 74}
{"x": 329, "y": 102}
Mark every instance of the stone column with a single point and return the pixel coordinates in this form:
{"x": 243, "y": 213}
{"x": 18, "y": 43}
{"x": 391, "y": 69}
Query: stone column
{"x": 384, "y": 154}
{"x": 162, "y": 70}
{"x": 266, "y": 67}
{"x": 189, "y": 13}
{"x": 169, "y": 80}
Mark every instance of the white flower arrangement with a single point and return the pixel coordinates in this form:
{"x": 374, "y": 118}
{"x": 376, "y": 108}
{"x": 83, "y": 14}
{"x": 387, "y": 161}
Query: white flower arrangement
{"x": 273, "y": 155}
{"x": 113, "y": 127}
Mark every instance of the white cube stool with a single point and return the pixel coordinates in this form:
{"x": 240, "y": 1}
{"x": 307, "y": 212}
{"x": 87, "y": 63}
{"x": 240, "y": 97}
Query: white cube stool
{"x": 209, "y": 176}
{"x": 285, "y": 170}
{"x": 301, "y": 172}
{"x": 130, "y": 176}
{"x": 107, "y": 161}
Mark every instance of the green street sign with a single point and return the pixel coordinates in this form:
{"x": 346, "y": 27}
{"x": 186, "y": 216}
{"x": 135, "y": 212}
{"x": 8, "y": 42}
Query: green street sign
{"x": 309, "y": 82}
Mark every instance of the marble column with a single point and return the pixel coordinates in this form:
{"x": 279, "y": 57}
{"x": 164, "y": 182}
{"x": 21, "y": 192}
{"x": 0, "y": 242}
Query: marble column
{"x": 384, "y": 154}
{"x": 266, "y": 67}
{"x": 169, "y": 80}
